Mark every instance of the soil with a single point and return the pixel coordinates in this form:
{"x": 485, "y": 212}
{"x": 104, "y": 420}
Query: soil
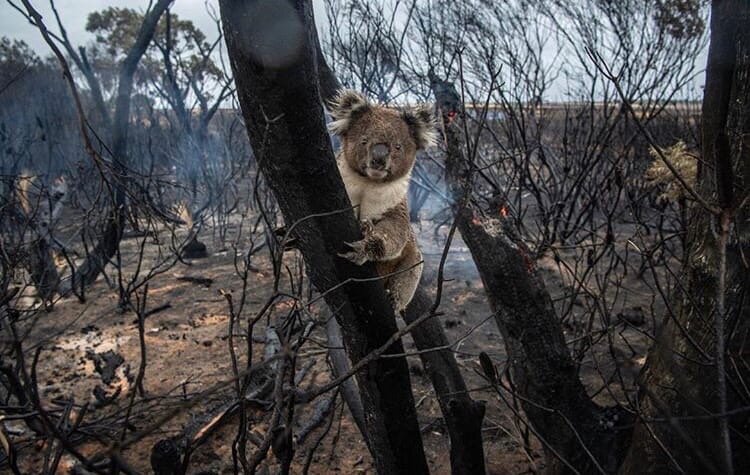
{"x": 90, "y": 354}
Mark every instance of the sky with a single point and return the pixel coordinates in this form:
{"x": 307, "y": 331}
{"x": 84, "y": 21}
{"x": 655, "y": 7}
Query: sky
{"x": 74, "y": 13}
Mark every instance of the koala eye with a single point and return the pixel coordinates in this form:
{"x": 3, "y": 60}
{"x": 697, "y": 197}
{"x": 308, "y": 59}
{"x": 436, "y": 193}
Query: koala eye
{"x": 364, "y": 141}
{"x": 398, "y": 146}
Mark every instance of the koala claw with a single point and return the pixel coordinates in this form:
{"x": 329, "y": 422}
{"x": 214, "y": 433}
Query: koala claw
{"x": 358, "y": 254}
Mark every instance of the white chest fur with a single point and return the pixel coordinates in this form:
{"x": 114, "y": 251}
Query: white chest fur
{"x": 372, "y": 198}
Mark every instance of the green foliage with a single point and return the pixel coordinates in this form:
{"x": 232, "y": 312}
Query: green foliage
{"x": 176, "y": 40}
{"x": 16, "y": 55}
{"x": 115, "y": 28}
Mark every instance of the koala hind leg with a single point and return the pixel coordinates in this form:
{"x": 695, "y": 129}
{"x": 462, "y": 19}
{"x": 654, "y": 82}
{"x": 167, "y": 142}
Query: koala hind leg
{"x": 402, "y": 285}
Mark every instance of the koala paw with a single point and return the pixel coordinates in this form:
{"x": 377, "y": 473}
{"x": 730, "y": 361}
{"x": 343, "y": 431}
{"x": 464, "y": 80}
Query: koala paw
{"x": 366, "y": 226}
{"x": 358, "y": 254}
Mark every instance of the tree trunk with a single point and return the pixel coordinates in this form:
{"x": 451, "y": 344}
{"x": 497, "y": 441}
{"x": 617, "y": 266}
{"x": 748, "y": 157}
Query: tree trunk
{"x": 463, "y": 416}
{"x": 680, "y": 424}
{"x": 274, "y": 65}
{"x": 41, "y": 266}
{"x": 577, "y": 434}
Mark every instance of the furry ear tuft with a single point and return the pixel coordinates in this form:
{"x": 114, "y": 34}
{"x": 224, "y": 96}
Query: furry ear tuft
{"x": 421, "y": 122}
{"x": 344, "y": 108}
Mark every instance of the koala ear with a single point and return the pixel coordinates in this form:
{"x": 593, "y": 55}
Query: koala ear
{"x": 344, "y": 108}
{"x": 421, "y": 122}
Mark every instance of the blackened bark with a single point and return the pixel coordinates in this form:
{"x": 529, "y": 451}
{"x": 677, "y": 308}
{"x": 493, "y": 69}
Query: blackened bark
{"x": 42, "y": 268}
{"x": 281, "y": 104}
{"x": 340, "y": 365}
{"x": 463, "y": 416}
{"x": 32, "y": 241}
{"x": 576, "y": 432}
{"x": 328, "y": 82}
{"x": 680, "y": 424}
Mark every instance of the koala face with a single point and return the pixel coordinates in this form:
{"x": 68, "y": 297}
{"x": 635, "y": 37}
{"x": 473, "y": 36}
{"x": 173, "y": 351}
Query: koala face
{"x": 380, "y": 143}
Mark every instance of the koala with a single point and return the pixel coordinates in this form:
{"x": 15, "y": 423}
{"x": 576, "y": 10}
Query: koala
{"x": 378, "y": 151}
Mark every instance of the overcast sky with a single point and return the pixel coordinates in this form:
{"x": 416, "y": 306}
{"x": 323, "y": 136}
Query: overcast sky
{"x": 74, "y": 13}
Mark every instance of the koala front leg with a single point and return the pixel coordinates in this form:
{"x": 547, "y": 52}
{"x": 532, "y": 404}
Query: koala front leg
{"x": 366, "y": 249}
{"x": 382, "y": 242}
{"x": 402, "y": 285}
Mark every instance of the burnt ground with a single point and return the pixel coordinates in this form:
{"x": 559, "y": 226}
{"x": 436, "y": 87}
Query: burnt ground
{"x": 90, "y": 353}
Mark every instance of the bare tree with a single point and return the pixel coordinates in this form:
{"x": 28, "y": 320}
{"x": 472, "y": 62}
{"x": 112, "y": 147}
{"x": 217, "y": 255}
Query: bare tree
{"x": 119, "y": 123}
{"x": 682, "y": 409}
{"x": 693, "y": 376}
{"x": 604, "y": 212}
{"x": 284, "y": 118}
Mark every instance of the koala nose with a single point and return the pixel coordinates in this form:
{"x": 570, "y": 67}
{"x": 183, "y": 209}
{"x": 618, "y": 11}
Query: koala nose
{"x": 379, "y": 153}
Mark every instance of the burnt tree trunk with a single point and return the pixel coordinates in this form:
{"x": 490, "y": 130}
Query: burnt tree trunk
{"x": 41, "y": 266}
{"x": 463, "y": 416}
{"x": 680, "y": 424}
{"x": 578, "y": 435}
{"x": 22, "y": 233}
{"x": 340, "y": 364}
{"x": 271, "y": 50}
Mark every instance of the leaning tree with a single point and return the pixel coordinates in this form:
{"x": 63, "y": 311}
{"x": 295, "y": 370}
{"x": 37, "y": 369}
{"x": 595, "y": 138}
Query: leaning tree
{"x": 692, "y": 403}
{"x": 273, "y": 61}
